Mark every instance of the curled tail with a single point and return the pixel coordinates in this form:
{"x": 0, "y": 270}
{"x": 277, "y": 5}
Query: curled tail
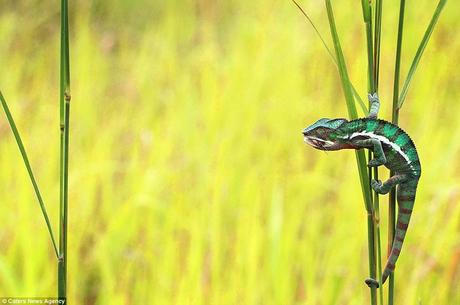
{"x": 406, "y": 198}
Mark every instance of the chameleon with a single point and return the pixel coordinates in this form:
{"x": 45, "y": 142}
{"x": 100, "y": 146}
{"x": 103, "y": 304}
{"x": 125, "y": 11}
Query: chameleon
{"x": 391, "y": 147}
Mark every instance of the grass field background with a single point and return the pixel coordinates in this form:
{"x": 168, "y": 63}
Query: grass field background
{"x": 189, "y": 179}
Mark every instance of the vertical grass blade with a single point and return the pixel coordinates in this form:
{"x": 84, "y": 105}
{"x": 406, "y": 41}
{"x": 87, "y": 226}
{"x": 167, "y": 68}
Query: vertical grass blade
{"x": 377, "y": 36}
{"x": 394, "y": 120}
{"x": 64, "y": 102}
{"x": 360, "y": 156}
{"x": 373, "y": 54}
{"x": 349, "y": 101}
{"x": 367, "y": 15}
{"x": 372, "y": 82}
{"x": 376, "y": 73}
{"x": 419, "y": 53}
{"x": 29, "y": 169}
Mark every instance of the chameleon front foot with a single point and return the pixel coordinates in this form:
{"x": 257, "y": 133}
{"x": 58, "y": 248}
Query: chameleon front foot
{"x": 376, "y": 162}
{"x": 372, "y": 283}
{"x": 373, "y": 97}
{"x": 375, "y": 105}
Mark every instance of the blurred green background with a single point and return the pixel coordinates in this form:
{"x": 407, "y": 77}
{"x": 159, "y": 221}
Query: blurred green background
{"x": 190, "y": 182}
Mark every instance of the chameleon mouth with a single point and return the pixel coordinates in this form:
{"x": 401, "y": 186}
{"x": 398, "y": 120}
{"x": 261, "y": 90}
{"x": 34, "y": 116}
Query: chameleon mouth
{"x": 317, "y": 142}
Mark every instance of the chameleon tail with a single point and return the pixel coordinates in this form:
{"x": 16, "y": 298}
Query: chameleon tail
{"x": 406, "y": 197}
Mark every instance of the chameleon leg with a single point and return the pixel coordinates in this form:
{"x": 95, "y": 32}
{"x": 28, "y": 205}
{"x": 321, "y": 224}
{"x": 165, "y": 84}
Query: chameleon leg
{"x": 376, "y": 146}
{"x": 375, "y": 105}
{"x": 384, "y": 189}
{"x": 389, "y": 184}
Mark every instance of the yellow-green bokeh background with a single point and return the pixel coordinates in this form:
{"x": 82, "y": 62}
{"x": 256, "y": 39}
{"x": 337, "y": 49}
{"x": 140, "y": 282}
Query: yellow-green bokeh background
{"x": 190, "y": 182}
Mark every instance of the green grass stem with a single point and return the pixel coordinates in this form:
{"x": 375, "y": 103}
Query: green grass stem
{"x": 367, "y": 15}
{"x": 377, "y": 39}
{"x": 372, "y": 74}
{"x": 360, "y": 156}
{"x": 373, "y": 54}
{"x": 29, "y": 169}
{"x": 394, "y": 120}
{"x": 64, "y": 103}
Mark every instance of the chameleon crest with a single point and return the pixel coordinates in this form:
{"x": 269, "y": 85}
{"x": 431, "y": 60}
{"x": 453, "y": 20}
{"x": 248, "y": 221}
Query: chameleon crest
{"x": 392, "y": 147}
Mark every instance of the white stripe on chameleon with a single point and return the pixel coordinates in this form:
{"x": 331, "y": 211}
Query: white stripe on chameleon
{"x": 321, "y": 140}
{"x": 383, "y": 140}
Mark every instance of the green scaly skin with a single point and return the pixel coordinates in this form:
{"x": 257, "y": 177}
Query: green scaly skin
{"x": 392, "y": 147}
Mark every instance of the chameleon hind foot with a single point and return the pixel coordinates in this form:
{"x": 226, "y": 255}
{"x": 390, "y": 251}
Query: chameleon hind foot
{"x": 377, "y": 186}
{"x": 385, "y": 187}
{"x": 372, "y": 283}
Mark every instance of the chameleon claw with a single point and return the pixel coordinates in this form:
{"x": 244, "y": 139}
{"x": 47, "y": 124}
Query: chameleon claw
{"x": 376, "y": 185}
{"x": 375, "y": 162}
{"x": 372, "y": 283}
{"x": 374, "y": 105}
{"x": 373, "y": 97}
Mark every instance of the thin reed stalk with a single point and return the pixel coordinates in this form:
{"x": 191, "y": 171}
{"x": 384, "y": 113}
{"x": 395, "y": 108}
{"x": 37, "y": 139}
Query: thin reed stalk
{"x": 377, "y": 35}
{"x": 360, "y": 156}
{"x": 64, "y": 103}
{"x": 394, "y": 120}
{"x": 367, "y": 15}
{"x": 398, "y": 100}
{"x": 61, "y": 250}
{"x": 373, "y": 55}
{"x": 375, "y": 173}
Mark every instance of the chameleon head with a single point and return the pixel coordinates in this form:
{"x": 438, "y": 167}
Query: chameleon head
{"x": 321, "y": 134}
